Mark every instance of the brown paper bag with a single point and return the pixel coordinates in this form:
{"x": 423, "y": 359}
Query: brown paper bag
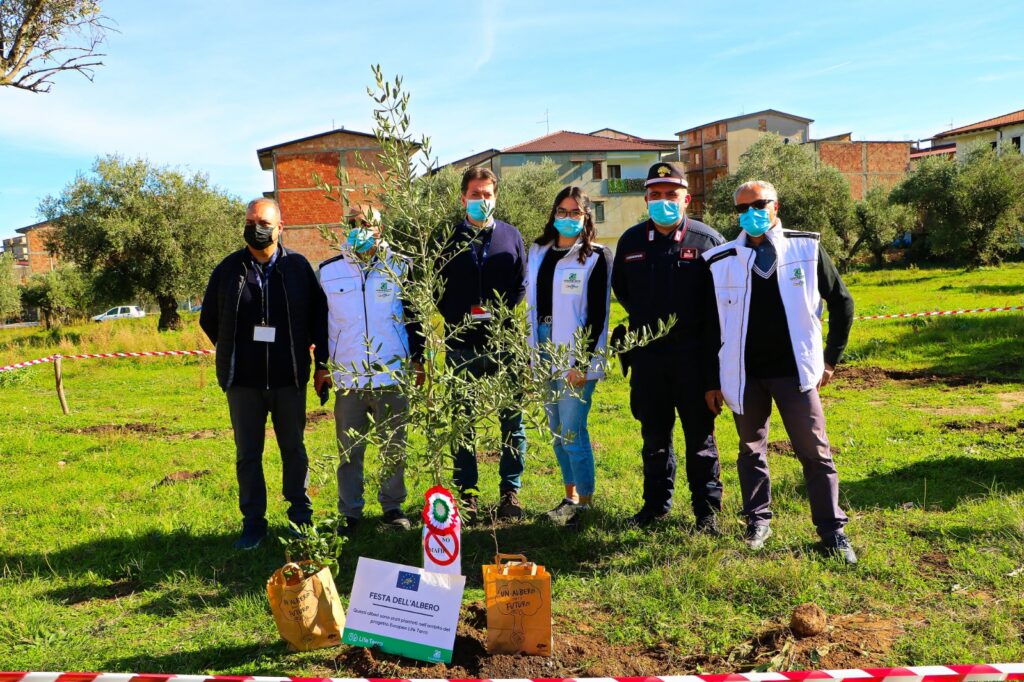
{"x": 307, "y": 611}
{"x": 518, "y": 594}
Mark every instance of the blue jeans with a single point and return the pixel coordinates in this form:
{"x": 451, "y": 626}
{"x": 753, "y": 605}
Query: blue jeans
{"x": 513, "y": 433}
{"x": 567, "y": 412}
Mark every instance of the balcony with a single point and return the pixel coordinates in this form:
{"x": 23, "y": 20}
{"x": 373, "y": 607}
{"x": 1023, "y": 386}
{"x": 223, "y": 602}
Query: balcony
{"x": 625, "y": 185}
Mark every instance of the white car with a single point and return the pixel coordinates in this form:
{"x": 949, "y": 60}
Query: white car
{"x": 120, "y": 313}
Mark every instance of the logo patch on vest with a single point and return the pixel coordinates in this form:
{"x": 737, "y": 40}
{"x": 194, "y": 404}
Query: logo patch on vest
{"x": 635, "y": 257}
{"x": 688, "y": 253}
{"x": 798, "y": 277}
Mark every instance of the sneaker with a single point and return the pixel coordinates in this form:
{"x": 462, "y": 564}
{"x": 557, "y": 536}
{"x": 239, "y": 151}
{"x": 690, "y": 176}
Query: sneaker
{"x": 708, "y": 525}
{"x": 469, "y": 511}
{"x": 509, "y": 508}
{"x": 755, "y": 535}
{"x": 838, "y": 545}
{"x": 348, "y": 529}
{"x": 580, "y": 512}
{"x": 644, "y": 518}
{"x": 396, "y": 520}
{"x": 250, "y": 539}
{"x": 563, "y": 512}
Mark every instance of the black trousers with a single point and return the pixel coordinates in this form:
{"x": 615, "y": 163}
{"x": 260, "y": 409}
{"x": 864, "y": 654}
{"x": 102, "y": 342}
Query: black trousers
{"x": 287, "y": 409}
{"x": 662, "y": 385}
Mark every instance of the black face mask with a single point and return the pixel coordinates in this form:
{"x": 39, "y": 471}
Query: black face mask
{"x": 257, "y": 236}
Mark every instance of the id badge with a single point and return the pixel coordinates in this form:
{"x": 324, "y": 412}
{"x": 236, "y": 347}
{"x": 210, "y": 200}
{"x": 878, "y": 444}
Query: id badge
{"x": 572, "y": 283}
{"x": 479, "y": 313}
{"x": 264, "y": 334}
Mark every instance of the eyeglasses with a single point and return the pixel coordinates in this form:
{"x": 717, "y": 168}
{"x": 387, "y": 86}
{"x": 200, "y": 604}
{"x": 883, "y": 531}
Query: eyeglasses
{"x": 759, "y": 204}
{"x": 575, "y": 214}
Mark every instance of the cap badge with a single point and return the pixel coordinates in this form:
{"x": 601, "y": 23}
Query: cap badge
{"x": 664, "y": 170}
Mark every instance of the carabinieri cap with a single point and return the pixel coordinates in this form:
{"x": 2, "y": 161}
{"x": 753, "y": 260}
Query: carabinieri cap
{"x": 666, "y": 172}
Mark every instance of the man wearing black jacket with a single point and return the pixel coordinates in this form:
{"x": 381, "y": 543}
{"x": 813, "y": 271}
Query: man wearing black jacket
{"x": 657, "y": 273}
{"x": 263, "y": 308}
{"x": 484, "y": 262}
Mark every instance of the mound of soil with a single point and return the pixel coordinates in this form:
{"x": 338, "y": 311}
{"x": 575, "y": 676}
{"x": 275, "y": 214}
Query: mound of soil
{"x": 808, "y": 620}
{"x": 978, "y": 426}
{"x": 870, "y": 377}
{"x": 179, "y": 476}
{"x": 575, "y": 655}
{"x": 119, "y": 429}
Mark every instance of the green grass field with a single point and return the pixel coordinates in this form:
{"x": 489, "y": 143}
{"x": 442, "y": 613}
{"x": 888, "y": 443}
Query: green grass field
{"x": 107, "y": 562}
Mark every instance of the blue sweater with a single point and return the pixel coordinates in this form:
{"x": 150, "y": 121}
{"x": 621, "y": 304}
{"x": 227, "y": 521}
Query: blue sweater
{"x": 487, "y": 265}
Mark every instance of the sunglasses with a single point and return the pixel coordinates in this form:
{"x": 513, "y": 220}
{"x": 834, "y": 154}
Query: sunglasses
{"x": 759, "y": 204}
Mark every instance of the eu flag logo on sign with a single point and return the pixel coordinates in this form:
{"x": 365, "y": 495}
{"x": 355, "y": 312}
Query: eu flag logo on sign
{"x": 408, "y": 581}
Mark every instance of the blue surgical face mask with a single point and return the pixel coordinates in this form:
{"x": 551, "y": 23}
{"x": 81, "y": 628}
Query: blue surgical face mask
{"x": 361, "y": 239}
{"x": 665, "y": 212}
{"x": 480, "y": 210}
{"x": 755, "y": 221}
{"x": 567, "y": 227}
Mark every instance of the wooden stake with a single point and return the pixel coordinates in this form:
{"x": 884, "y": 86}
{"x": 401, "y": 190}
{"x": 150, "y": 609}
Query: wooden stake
{"x": 59, "y": 376}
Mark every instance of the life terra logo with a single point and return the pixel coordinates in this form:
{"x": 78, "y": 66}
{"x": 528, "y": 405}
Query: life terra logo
{"x": 798, "y": 276}
{"x": 573, "y": 278}
{"x": 408, "y": 581}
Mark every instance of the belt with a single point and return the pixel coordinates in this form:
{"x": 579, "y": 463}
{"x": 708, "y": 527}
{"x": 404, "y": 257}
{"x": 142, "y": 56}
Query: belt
{"x": 544, "y": 320}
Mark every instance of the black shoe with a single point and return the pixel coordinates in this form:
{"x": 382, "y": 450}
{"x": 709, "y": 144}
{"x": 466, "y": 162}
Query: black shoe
{"x": 561, "y": 514}
{"x": 644, "y": 518}
{"x": 838, "y": 545}
{"x": 509, "y": 508}
{"x": 250, "y": 538}
{"x": 755, "y": 535}
{"x": 708, "y": 525}
{"x": 396, "y": 520}
{"x": 469, "y": 511}
{"x": 348, "y": 529}
{"x": 580, "y": 512}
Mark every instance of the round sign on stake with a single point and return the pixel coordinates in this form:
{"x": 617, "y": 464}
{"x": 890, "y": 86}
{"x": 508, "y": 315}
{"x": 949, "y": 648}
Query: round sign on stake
{"x": 443, "y": 550}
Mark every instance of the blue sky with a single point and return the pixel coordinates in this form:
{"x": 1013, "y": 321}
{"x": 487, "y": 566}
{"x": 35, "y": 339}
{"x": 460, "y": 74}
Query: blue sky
{"x": 203, "y": 83}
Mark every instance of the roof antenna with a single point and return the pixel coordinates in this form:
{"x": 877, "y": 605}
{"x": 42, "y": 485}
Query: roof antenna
{"x": 547, "y": 122}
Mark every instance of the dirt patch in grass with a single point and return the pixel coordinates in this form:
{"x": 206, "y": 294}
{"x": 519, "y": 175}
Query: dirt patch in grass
{"x": 575, "y": 655}
{"x": 979, "y": 426}
{"x": 1010, "y": 400}
{"x": 871, "y": 377}
{"x": 935, "y": 562}
{"x": 849, "y": 641}
{"x": 180, "y": 476}
{"x": 784, "y": 448}
{"x": 75, "y": 596}
{"x": 956, "y": 410}
{"x": 138, "y": 428}
{"x": 202, "y": 434}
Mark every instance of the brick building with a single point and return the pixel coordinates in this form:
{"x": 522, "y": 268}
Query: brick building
{"x": 864, "y": 163}
{"x": 711, "y": 150}
{"x": 304, "y": 208}
{"x": 31, "y": 252}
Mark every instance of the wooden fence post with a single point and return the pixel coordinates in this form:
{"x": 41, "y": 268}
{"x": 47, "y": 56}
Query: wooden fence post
{"x": 59, "y": 377}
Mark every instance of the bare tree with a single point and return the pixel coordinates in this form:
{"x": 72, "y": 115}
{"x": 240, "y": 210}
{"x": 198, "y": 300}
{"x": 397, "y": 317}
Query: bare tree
{"x": 41, "y": 38}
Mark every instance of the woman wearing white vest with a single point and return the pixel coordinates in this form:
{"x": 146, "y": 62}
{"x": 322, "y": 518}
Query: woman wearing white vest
{"x": 763, "y": 344}
{"x": 568, "y": 289}
{"x": 368, "y": 329}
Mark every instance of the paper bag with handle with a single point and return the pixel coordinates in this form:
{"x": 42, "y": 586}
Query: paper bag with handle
{"x": 306, "y": 606}
{"x": 518, "y": 594}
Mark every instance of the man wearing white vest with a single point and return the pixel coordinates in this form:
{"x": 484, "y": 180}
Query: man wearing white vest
{"x": 763, "y": 343}
{"x": 369, "y": 330}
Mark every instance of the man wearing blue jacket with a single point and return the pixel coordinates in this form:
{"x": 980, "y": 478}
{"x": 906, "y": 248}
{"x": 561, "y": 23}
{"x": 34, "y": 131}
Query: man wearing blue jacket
{"x": 483, "y": 263}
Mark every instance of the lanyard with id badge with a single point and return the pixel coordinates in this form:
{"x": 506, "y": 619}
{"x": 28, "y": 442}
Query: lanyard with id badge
{"x": 479, "y": 312}
{"x": 264, "y": 333}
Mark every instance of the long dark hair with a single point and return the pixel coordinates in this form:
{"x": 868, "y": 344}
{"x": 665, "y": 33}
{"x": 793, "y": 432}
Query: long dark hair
{"x": 550, "y": 234}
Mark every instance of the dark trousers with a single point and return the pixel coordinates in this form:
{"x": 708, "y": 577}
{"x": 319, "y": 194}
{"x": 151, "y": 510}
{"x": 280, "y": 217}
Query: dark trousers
{"x": 661, "y": 386}
{"x": 287, "y": 408}
{"x": 513, "y": 433}
{"x": 805, "y": 425}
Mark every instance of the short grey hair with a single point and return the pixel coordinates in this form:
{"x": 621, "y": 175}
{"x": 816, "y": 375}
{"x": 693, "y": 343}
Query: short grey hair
{"x": 763, "y": 185}
{"x": 264, "y": 200}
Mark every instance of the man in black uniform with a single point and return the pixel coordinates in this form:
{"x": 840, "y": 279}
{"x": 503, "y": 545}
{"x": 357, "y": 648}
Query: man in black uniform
{"x": 658, "y": 272}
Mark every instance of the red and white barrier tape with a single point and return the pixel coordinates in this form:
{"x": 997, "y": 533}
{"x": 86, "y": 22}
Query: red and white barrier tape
{"x": 934, "y": 313}
{"x": 89, "y": 356}
{"x": 927, "y": 673}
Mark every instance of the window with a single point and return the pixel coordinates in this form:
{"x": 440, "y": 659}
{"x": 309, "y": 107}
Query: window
{"x": 1016, "y": 142}
{"x": 614, "y": 170}
{"x": 762, "y": 124}
{"x": 597, "y": 170}
{"x": 599, "y": 207}
{"x": 718, "y": 153}
{"x": 696, "y": 158}
{"x": 993, "y": 143}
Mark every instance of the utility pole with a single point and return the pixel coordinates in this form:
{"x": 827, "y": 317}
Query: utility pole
{"x": 547, "y": 122}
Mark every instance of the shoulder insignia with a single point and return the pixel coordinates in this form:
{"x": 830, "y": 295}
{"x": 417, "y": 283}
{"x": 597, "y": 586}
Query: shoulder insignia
{"x": 801, "y": 235}
{"x": 340, "y": 256}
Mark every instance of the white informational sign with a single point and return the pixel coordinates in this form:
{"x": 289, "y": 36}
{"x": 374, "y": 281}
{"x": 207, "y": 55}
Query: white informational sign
{"x": 404, "y": 610}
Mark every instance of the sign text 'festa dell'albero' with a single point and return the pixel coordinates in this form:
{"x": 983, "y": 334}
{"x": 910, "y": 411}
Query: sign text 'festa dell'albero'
{"x": 404, "y": 610}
